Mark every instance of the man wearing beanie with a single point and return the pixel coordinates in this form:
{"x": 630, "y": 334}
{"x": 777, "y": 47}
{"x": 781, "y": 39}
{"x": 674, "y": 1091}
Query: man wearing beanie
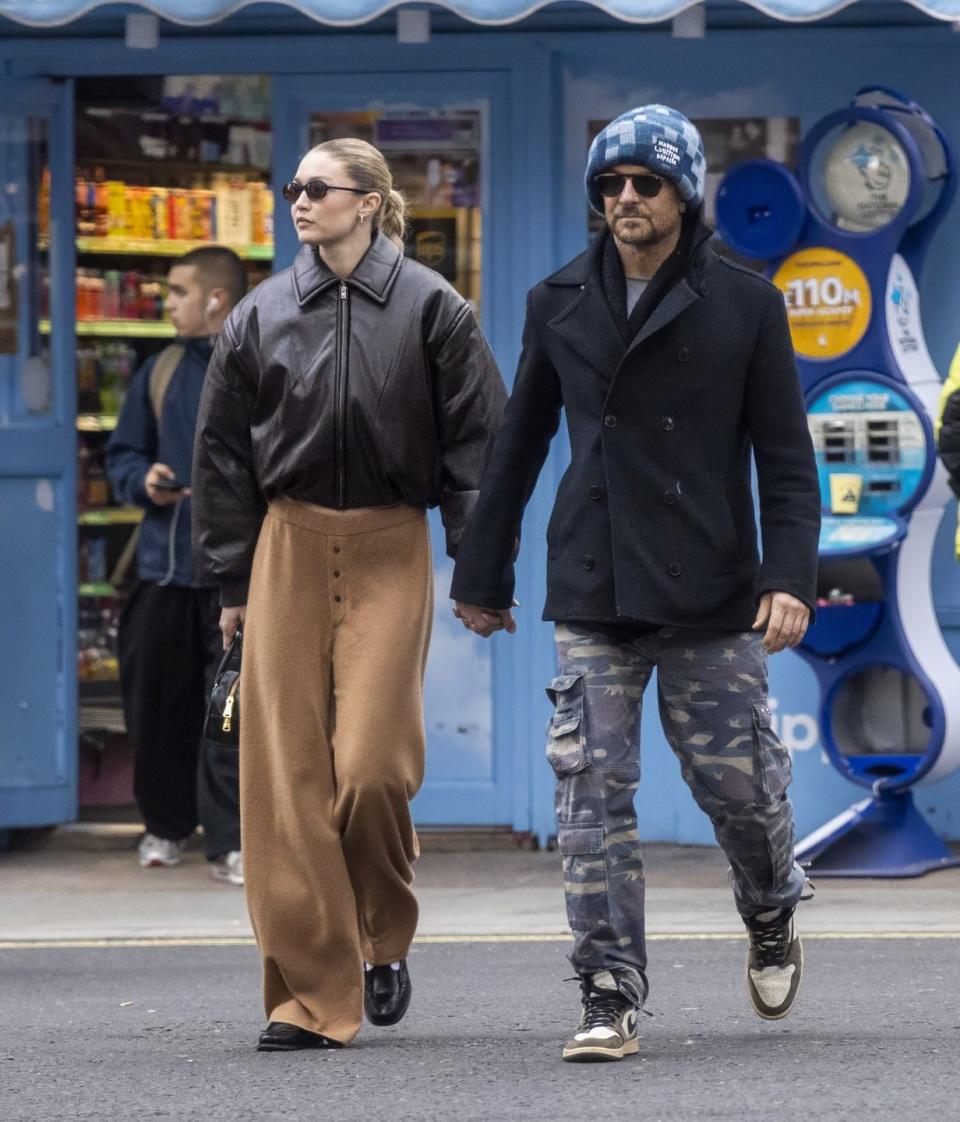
{"x": 673, "y": 365}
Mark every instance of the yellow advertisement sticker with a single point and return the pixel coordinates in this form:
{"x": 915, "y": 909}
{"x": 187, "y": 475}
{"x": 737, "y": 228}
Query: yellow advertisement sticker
{"x": 828, "y": 301}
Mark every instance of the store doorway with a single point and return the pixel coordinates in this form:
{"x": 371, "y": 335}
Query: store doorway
{"x": 440, "y": 134}
{"x": 163, "y": 165}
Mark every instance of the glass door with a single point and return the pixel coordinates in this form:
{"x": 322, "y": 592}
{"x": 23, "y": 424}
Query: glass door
{"x": 37, "y": 443}
{"x": 439, "y": 133}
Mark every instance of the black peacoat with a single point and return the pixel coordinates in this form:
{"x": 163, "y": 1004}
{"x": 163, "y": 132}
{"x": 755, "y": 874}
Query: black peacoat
{"x": 654, "y": 518}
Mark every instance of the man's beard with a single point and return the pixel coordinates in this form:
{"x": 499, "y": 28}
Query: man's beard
{"x": 647, "y": 233}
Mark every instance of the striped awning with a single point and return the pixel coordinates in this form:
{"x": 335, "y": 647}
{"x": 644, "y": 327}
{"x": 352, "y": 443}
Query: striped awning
{"x": 353, "y": 13}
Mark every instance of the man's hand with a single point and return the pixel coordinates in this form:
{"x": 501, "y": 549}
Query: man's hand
{"x": 230, "y": 620}
{"x": 484, "y": 621}
{"x": 155, "y": 494}
{"x": 786, "y": 619}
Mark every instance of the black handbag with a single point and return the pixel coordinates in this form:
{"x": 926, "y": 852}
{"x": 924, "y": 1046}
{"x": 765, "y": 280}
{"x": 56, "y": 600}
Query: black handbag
{"x": 223, "y": 709}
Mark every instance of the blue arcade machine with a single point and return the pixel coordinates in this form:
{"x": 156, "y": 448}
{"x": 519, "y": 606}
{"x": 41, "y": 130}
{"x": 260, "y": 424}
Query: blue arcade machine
{"x": 845, "y": 244}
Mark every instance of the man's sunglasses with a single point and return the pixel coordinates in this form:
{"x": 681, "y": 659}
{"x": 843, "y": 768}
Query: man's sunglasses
{"x": 315, "y": 189}
{"x": 646, "y": 185}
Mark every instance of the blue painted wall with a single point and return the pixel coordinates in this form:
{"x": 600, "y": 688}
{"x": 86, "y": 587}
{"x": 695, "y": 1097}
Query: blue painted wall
{"x": 554, "y": 85}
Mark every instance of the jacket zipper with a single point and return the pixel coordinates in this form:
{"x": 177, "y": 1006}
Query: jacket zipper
{"x": 340, "y": 394}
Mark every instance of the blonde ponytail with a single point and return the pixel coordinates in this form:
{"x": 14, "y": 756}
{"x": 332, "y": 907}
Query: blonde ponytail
{"x": 391, "y": 217}
{"x": 368, "y": 169}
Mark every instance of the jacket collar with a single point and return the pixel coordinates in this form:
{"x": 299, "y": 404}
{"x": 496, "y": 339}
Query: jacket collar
{"x": 587, "y": 324}
{"x": 374, "y": 276}
{"x": 199, "y": 347}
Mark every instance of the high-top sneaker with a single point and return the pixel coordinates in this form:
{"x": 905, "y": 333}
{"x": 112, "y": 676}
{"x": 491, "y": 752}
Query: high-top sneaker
{"x": 608, "y": 1023}
{"x": 774, "y": 963}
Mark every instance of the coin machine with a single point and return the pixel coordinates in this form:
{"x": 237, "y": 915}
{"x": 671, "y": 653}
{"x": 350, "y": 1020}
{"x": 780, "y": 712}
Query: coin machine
{"x": 844, "y": 239}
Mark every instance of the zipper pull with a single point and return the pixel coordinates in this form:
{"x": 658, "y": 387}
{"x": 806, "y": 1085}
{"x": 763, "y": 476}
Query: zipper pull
{"x": 228, "y": 714}
{"x": 343, "y": 290}
{"x": 228, "y": 705}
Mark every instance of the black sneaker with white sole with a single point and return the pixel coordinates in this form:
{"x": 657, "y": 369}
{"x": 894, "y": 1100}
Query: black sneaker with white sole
{"x": 608, "y": 1023}
{"x": 774, "y": 963}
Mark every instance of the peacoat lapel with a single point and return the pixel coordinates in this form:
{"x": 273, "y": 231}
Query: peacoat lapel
{"x": 676, "y": 301}
{"x": 585, "y": 322}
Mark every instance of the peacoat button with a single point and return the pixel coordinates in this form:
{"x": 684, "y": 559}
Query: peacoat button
{"x": 675, "y": 570}
{"x": 595, "y": 492}
{"x": 669, "y": 497}
{"x": 589, "y": 563}
{"x": 683, "y": 354}
{"x": 610, "y": 421}
{"x": 666, "y": 423}
{"x": 704, "y": 290}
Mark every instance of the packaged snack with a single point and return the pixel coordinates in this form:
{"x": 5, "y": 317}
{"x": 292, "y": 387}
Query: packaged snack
{"x": 117, "y": 221}
{"x": 233, "y": 212}
{"x": 159, "y": 214}
{"x": 179, "y": 214}
{"x": 202, "y": 216}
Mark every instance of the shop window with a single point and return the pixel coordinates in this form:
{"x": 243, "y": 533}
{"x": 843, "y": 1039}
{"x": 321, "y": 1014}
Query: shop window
{"x": 26, "y": 391}
{"x": 435, "y": 159}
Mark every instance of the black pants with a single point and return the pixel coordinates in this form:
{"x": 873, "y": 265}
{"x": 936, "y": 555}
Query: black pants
{"x": 169, "y": 646}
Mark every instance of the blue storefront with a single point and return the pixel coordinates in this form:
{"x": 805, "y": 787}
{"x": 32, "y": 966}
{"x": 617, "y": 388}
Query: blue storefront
{"x": 488, "y": 109}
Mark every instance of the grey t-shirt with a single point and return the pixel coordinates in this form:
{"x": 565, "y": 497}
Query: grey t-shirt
{"x": 636, "y": 286}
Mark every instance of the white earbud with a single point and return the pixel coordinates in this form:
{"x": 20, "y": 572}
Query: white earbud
{"x": 213, "y": 305}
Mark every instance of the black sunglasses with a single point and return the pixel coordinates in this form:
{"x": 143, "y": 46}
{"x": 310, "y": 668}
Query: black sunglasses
{"x": 316, "y": 189}
{"x": 646, "y": 185}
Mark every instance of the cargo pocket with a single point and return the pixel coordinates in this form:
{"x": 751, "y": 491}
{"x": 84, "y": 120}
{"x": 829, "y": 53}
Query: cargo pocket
{"x": 566, "y": 750}
{"x": 584, "y": 876}
{"x": 772, "y": 770}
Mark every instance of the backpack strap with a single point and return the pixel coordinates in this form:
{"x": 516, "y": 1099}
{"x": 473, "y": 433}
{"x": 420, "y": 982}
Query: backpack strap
{"x": 162, "y": 374}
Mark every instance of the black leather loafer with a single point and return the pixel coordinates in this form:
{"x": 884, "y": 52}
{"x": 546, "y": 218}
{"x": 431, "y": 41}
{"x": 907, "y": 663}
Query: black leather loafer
{"x": 386, "y": 994}
{"x": 278, "y": 1036}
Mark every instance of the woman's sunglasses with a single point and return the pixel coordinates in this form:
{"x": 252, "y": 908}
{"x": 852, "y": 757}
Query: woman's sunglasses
{"x": 646, "y": 185}
{"x": 315, "y": 190}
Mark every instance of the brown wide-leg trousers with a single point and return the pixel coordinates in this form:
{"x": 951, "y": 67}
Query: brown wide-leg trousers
{"x": 332, "y": 750}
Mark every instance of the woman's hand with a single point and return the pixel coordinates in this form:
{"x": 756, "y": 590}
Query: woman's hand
{"x": 484, "y": 621}
{"x": 230, "y": 620}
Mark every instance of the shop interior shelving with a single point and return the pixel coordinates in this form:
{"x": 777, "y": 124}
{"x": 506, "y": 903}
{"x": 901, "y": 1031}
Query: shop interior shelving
{"x": 127, "y": 139}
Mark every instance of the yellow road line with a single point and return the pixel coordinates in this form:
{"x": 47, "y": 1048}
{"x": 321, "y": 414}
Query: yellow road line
{"x": 246, "y": 941}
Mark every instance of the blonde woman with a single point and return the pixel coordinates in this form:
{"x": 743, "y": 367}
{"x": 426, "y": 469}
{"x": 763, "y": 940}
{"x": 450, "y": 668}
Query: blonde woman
{"x": 346, "y": 395}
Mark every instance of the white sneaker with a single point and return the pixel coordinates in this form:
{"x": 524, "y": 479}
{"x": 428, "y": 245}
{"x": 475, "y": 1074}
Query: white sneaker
{"x": 608, "y": 1023}
{"x": 159, "y": 853}
{"x": 774, "y": 963}
{"x": 228, "y": 868}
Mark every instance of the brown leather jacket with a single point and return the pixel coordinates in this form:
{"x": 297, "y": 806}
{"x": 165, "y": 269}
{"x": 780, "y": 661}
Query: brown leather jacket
{"x": 363, "y": 392}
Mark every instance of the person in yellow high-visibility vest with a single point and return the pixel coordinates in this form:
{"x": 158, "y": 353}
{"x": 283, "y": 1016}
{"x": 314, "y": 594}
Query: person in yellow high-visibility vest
{"x": 947, "y": 431}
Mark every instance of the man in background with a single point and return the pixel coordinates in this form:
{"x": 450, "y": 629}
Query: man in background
{"x": 169, "y": 641}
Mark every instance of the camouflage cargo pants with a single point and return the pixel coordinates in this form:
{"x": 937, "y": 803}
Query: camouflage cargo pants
{"x": 713, "y": 706}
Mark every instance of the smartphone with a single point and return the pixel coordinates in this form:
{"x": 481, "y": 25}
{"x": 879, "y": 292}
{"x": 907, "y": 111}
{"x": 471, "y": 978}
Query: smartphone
{"x": 169, "y": 485}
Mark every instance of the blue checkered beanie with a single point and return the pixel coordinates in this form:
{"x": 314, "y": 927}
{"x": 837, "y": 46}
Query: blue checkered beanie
{"x": 658, "y": 138}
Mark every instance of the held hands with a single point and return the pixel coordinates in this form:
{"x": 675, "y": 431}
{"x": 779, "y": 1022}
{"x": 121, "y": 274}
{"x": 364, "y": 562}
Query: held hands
{"x": 230, "y": 620}
{"x": 484, "y": 621}
{"x": 786, "y": 619}
{"x": 155, "y": 494}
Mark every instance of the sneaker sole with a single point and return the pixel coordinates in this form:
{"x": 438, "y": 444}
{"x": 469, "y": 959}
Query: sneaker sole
{"x": 591, "y": 1055}
{"x": 157, "y": 863}
{"x": 763, "y": 1012}
{"x": 225, "y": 878}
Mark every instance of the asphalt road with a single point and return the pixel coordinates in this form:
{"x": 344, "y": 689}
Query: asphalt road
{"x": 120, "y": 1034}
